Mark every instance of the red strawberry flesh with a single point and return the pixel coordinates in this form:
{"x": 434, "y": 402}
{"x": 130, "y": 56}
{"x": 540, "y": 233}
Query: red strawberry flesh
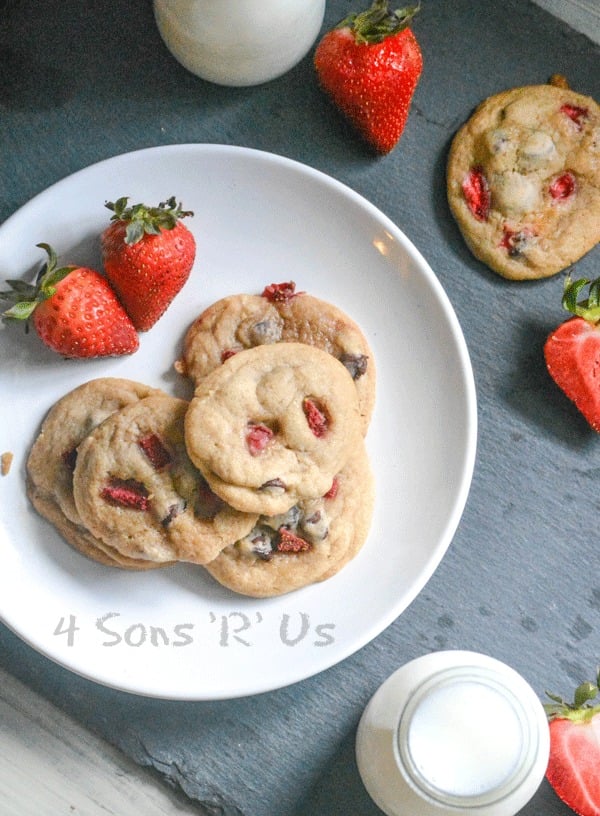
{"x": 574, "y": 766}
{"x": 279, "y": 292}
{"x": 572, "y": 354}
{"x": 477, "y": 193}
{"x": 288, "y": 542}
{"x": 257, "y": 438}
{"x": 576, "y": 113}
{"x": 563, "y": 186}
{"x": 316, "y": 417}
{"x": 333, "y": 490}
{"x": 158, "y": 456}
{"x": 84, "y": 318}
{"x": 127, "y": 493}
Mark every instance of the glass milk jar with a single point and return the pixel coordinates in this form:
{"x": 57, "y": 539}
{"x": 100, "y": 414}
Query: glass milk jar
{"x": 453, "y": 733}
{"x": 239, "y": 42}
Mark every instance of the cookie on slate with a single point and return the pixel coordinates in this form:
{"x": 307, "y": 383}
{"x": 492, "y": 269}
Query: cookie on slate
{"x": 136, "y": 489}
{"x": 52, "y": 459}
{"x": 272, "y": 425}
{"x": 309, "y": 543}
{"x": 280, "y": 314}
{"x": 523, "y": 180}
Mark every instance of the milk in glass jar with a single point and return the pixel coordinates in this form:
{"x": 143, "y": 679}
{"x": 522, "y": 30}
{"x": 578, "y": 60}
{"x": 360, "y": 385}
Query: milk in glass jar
{"x": 239, "y": 42}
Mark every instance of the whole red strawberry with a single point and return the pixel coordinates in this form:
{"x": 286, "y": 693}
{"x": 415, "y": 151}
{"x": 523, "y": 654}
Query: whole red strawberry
{"x": 148, "y": 254}
{"x": 74, "y": 311}
{"x": 572, "y": 351}
{"x": 574, "y": 764}
{"x": 369, "y": 65}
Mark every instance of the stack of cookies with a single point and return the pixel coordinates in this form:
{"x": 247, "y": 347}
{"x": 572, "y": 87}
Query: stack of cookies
{"x": 262, "y": 478}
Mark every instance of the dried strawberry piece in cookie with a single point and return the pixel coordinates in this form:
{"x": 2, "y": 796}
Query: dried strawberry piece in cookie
{"x": 563, "y": 186}
{"x": 316, "y": 417}
{"x": 288, "y": 542}
{"x": 128, "y": 493}
{"x": 576, "y": 113}
{"x": 516, "y": 242}
{"x": 227, "y": 353}
{"x": 156, "y": 453}
{"x": 477, "y": 193}
{"x": 278, "y": 292}
{"x": 333, "y": 490}
{"x": 258, "y": 437}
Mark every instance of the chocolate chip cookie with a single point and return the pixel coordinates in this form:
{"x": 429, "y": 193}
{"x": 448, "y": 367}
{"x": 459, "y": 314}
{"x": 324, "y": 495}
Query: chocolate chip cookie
{"x": 280, "y": 314}
{"x": 272, "y": 425}
{"x": 136, "y": 489}
{"x": 523, "y": 180}
{"x": 53, "y": 455}
{"x": 310, "y": 542}
{"x": 83, "y": 541}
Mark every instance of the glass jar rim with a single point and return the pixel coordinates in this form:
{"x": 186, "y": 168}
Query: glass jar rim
{"x": 497, "y": 686}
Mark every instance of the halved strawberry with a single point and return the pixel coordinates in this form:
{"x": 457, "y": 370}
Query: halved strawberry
{"x": 572, "y": 351}
{"x": 74, "y": 311}
{"x": 369, "y": 65}
{"x": 574, "y": 764}
{"x": 148, "y": 254}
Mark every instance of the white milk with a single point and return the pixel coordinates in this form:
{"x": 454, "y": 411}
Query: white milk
{"x": 239, "y": 42}
{"x": 453, "y": 732}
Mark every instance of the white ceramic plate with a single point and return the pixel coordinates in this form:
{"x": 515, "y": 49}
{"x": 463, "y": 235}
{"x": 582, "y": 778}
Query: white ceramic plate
{"x": 259, "y": 218}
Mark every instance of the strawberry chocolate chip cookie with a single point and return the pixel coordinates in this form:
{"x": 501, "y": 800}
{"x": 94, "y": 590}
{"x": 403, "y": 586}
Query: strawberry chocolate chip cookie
{"x": 52, "y": 459}
{"x": 136, "y": 489}
{"x": 310, "y": 542}
{"x": 273, "y": 425}
{"x": 523, "y": 180}
{"x": 279, "y": 314}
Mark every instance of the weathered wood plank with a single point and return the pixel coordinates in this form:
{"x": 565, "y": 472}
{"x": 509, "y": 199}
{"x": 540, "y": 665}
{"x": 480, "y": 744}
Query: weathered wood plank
{"x": 49, "y": 764}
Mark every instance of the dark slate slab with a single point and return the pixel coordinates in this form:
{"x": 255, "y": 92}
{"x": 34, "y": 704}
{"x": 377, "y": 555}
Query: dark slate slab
{"x": 81, "y": 82}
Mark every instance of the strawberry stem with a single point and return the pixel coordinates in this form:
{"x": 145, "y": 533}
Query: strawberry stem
{"x": 378, "y": 22}
{"x": 143, "y": 220}
{"x": 589, "y": 308}
{"x": 581, "y": 709}
{"x": 24, "y": 296}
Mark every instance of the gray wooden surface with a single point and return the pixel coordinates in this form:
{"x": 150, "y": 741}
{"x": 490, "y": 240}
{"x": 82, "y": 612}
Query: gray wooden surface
{"x": 81, "y": 82}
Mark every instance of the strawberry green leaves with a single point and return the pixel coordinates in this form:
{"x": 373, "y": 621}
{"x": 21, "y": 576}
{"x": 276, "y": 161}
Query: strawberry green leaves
{"x": 378, "y": 22}
{"x": 25, "y": 297}
{"x": 589, "y": 308}
{"x": 581, "y": 709}
{"x": 143, "y": 220}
